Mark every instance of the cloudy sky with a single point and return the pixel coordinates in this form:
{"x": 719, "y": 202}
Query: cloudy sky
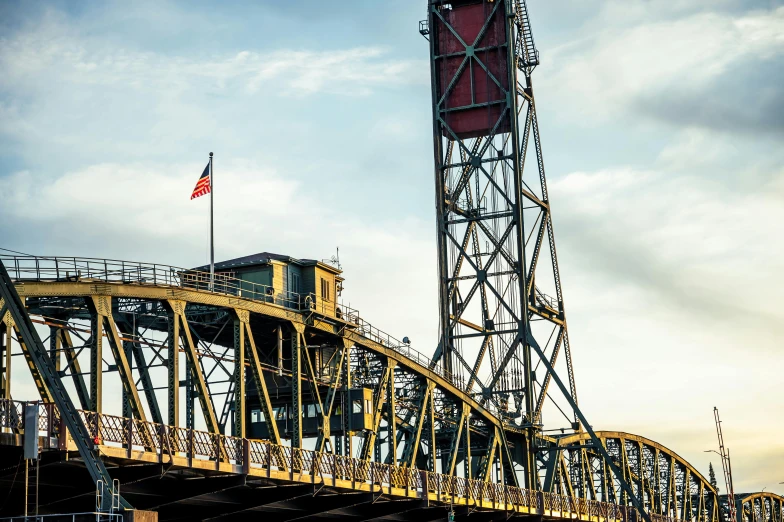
{"x": 662, "y": 124}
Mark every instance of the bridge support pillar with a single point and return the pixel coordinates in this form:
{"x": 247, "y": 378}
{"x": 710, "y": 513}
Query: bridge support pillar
{"x": 96, "y": 362}
{"x": 173, "y": 369}
{"x": 297, "y": 340}
{"x": 239, "y": 372}
{"x": 6, "y": 329}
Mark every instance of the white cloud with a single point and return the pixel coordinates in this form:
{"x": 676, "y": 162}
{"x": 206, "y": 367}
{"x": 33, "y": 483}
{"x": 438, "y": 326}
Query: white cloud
{"x": 672, "y": 285}
{"x": 600, "y": 77}
{"x": 256, "y": 209}
{"x": 55, "y": 51}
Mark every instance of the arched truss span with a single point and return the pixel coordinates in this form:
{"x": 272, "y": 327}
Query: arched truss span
{"x": 179, "y": 348}
{"x": 160, "y": 342}
{"x": 664, "y": 481}
{"x": 759, "y": 507}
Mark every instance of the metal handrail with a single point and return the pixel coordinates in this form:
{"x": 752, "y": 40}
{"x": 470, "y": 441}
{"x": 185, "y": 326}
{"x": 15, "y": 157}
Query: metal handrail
{"x": 134, "y": 434}
{"x": 75, "y": 269}
{"x": 99, "y": 517}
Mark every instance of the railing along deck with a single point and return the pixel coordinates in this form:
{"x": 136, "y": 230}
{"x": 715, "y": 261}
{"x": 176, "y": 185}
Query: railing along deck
{"x": 301, "y": 465}
{"x": 75, "y": 269}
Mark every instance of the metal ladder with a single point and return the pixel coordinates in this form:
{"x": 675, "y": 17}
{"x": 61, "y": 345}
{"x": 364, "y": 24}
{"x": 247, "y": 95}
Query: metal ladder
{"x": 102, "y": 507}
{"x": 525, "y": 42}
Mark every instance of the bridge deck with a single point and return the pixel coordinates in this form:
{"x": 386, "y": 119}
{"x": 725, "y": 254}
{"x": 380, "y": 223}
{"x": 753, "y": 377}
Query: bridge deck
{"x": 302, "y": 481}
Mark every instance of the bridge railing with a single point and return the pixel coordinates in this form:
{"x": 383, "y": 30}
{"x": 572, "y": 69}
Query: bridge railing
{"x": 304, "y": 465}
{"x": 74, "y": 269}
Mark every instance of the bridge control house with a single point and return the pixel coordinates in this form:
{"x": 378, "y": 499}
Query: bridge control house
{"x": 277, "y": 279}
{"x": 305, "y": 284}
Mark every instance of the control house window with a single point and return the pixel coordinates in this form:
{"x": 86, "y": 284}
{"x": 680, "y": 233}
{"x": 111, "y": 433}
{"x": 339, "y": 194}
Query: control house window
{"x": 325, "y": 289}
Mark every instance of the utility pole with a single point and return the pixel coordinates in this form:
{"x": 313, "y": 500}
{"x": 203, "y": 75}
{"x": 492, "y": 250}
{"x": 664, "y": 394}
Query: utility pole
{"x": 727, "y": 467}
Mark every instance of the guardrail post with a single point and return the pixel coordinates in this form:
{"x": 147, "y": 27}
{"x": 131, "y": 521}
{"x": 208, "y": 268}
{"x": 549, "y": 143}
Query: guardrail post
{"x": 49, "y": 421}
{"x": 161, "y": 440}
{"x": 190, "y": 448}
{"x": 245, "y": 456}
{"x": 129, "y": 435}
{"x": 216, "y": 442}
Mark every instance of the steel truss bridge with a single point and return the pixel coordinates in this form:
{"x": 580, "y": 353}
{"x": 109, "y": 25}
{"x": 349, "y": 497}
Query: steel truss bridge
{"x": 423, "y": 464}
{"x": 239, "y": 399}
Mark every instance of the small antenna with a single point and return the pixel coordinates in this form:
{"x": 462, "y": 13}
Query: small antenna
{"x": 335, "y": 260}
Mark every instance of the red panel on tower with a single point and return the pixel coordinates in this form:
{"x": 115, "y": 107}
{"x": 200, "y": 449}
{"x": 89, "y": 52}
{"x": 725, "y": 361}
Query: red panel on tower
{"x": 473, "y": 85}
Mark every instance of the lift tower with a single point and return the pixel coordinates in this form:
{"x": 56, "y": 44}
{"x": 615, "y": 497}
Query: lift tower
{"x": 499, "y": 283}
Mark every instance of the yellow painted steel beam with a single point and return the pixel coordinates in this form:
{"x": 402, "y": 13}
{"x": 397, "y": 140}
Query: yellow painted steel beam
{"x": 261, "y": 386}
{"x": 11, "y": 329}
{"x": 370, "y": 435}
{"x": 167, "y": 293}
{"x": 178, "y": 307}
{"x": 126, "y": 375}
{"x": 410, "y": 459}
{"x": 456, "y": 438}
{"x": 583, "y": 436}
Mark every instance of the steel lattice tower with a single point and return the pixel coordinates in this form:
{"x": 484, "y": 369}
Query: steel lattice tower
{"x": 499, "y": 283}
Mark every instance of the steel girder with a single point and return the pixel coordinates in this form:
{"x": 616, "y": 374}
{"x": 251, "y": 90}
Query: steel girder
{"x": 497, "y": 259}
{"x": 757, "y": 507}
{"x": 664, "y": 482}
{"x": 50, "y": 384}
{"x": 454, "y": 428}
{"x": 419, "y": 419}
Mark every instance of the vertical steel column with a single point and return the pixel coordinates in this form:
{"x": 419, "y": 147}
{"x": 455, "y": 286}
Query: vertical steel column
{"x": 127, "y": 348}
{"x": 297, "y": 330}
{"x": 261, "y": 388}
{"x": 96, "y": 362}
{"x": 457, "y": 438}
{"x": 392, "y": 420}
{"x": 190, "y": 397}
{"x": 371, "y": 436}
{"x": 347, "y": 445}
{"x": 325, "y": 434}
{"x": 173, "y": 369}
{"x": 55, "y": 342}
{"x": 467, "y": 448}
{"x": 432, "y": 422}
{"x": 72, "y": 363}
{"x": 5, "y": 343}
{"x": 192, "y": 356}
{"x": 239, "y": 374}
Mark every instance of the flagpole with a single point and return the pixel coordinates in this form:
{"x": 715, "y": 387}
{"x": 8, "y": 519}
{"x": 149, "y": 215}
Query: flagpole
{"x": 212, "y": 235}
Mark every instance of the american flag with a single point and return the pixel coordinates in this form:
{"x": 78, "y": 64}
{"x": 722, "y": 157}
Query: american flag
{"x": 203, "y": 185}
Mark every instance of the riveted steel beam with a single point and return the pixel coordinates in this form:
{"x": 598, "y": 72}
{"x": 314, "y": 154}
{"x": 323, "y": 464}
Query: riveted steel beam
{"x": 73, "y": 367}
{"x": 44, "y": 369}
{"x": 11, "y": 328}
{"x": 96, "y": 363}
{"x": 103, "y": 309}
{"x": 261, "y": 385}
{"x": 173, "y": 366}
{"x": 391, "y": 418}
{"x": 411, "y": 447}
{"x": 329, "y": 402}
{"x": 297, "y": 342}
{"x": 201, "y": 384}
{"x": 378, "y": 402}
{"x": 6, "y": 329}
{"x": 238, "y": 377}
{"x": 457, "y": 437}
{"x": 129, "y": 330}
